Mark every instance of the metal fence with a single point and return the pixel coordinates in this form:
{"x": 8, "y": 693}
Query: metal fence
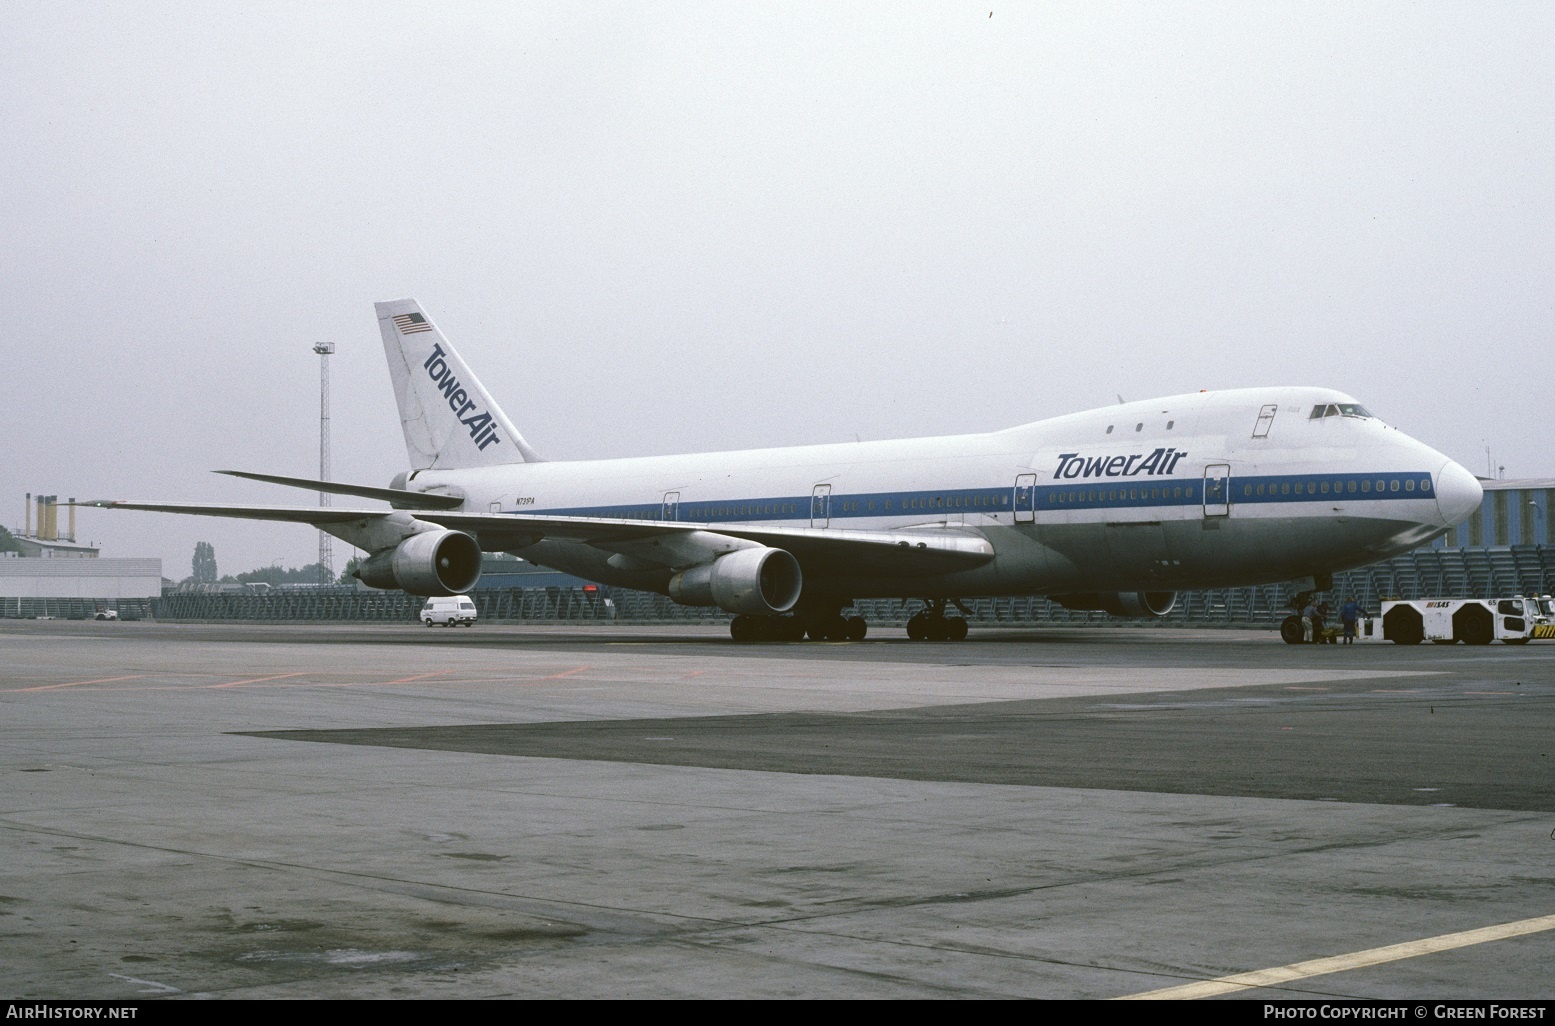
{"x": 1465, "y": 573}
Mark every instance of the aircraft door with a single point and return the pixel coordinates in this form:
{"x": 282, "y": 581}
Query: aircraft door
{"x": 1026, "y": 499}
{"x": 820, "y": 506}
{"x": 1265, "y": 418}
{"x": 671, "y": 509}
{"x": 1217, "y": 490}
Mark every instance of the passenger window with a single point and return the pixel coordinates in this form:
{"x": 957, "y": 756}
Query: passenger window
{"x": 1425, "y": 484}
{"x": 1393, "y": 485}
{"x": 1109, "y": 429}
{"x": 1140, "y": 426}
{"x": 1169, "y": 424}
{"x": 1409, "y": 485}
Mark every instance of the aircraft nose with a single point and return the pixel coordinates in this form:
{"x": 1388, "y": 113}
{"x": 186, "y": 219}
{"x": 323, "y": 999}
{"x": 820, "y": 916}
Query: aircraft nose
{"x": 1458, "y": 494}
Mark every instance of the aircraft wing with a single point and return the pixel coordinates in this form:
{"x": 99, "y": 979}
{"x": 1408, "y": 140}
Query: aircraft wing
{"x": 823, "y": 551}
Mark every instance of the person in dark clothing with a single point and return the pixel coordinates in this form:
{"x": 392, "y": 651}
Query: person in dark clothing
{"x": 1349, "y": 613}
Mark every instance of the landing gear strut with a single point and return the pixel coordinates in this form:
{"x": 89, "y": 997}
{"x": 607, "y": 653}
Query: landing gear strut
{"x": 932, "y": 624}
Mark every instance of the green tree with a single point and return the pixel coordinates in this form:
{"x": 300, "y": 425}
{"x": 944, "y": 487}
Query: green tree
{"x": 8, "y": 543}
{"x": 276, "y": 575}
{"x": 204, "y": 565}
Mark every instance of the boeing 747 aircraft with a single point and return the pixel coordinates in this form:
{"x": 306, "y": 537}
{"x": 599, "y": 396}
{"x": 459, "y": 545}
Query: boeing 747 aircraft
{"x": 1114, "y": 509}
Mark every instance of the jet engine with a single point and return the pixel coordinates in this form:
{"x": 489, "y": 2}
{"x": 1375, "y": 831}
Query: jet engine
{"x": 1122, "y": 603}
{"x": 760, "y": 581}
{"x": 431, "y": 563}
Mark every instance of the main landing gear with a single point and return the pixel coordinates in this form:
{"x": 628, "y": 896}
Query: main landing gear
{"x": 932, "y": 624}
{"x": 831, "y": 624}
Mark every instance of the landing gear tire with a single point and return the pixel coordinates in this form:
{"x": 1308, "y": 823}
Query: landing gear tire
{"x": 955, "y": 628}
{"x": 857, "y": 628}
{"x": 1290, "y": 630}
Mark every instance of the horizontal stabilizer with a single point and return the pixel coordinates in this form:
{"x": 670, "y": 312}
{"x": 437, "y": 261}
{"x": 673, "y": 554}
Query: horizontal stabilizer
{"x": 399, "y": 497}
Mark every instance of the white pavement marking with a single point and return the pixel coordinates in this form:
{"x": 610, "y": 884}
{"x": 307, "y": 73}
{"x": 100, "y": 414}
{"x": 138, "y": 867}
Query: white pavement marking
{"x": 1342, "y": 963}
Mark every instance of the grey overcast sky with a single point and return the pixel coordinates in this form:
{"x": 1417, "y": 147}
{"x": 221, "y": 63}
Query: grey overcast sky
{"x": 663, "y": 227}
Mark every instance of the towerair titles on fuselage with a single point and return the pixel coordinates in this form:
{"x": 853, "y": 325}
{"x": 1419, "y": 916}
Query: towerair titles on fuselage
{"x": 1157, "y": 463}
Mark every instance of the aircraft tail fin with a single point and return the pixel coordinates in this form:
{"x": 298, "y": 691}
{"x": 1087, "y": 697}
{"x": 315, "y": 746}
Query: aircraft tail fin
{"x": 450, "y": 420}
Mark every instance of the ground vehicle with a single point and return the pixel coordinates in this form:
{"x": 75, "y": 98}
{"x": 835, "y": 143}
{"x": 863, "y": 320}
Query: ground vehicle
{"x": 450, "y": 611}
{"x": 104, "y": 613}
{"x": 1472, "y": 621}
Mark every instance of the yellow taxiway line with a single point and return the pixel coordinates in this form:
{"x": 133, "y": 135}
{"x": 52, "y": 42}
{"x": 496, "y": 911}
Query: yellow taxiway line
{"x": 1342, "y": 963}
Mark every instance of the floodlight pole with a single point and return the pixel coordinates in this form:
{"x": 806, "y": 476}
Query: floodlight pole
{"x": 326, "y": 557}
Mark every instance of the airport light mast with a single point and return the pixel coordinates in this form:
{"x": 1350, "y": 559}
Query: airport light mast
{"x": 326, "y": 556}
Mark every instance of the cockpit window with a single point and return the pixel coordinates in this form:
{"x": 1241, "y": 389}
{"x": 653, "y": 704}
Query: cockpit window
{"x": 1339, "y": 410}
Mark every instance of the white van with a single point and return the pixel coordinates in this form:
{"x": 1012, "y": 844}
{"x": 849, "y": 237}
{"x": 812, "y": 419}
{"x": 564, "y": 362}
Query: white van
{"x": 454, "y": 609}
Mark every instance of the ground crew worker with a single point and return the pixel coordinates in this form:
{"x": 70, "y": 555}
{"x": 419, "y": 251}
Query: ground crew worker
{"x": 1349, "y": 613}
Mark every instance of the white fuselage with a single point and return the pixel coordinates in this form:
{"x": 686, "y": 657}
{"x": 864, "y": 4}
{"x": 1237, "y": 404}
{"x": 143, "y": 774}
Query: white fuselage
{"x": 1202, "y": 490}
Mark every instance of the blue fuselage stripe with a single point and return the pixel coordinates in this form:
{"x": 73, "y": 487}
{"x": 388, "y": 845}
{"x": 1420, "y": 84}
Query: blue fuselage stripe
{"x": 1043, "y": 498}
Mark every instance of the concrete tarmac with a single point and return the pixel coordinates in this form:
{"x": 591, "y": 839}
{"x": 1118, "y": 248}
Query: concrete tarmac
{"x": 389, "y": 811}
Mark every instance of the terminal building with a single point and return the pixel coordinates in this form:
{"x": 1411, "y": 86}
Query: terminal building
{"x": 1512, "y": 513}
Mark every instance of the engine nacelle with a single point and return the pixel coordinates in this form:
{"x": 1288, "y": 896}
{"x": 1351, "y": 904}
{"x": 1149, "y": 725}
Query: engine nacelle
{"x": 430, "y": 563}
{"x": 1122, "y": 603}
{"x": 759, "y": 581}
